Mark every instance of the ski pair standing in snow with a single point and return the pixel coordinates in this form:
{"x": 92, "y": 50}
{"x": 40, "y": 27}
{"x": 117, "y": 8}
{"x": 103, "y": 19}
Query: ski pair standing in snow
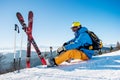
{"x": 79, "y": 47}
{"x": 28, "y": 31}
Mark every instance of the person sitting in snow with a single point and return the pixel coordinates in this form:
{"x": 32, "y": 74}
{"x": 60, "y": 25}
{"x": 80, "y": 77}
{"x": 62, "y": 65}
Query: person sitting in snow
{"x": 77, "y": 48}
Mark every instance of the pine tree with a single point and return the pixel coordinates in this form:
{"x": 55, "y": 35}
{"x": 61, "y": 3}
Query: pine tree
{"x": 118, "y": 45}
{"x": 111, "y": 48}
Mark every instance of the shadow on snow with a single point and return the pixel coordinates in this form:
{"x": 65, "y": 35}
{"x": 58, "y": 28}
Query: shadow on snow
{"x": 96, "y": 63}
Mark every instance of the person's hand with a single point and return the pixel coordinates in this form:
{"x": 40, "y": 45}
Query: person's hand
{"x": 61, "y": 50}
{"x": 64, "y": 44}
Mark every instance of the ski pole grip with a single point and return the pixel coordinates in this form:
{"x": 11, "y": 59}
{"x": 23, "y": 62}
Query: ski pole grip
{"x": 15, "y": 27}
{"x": 51, "y": 48}
{"x": 18, "y": 30}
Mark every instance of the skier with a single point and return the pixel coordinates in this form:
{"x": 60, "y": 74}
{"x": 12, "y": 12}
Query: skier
{"x": 79, "y": 47}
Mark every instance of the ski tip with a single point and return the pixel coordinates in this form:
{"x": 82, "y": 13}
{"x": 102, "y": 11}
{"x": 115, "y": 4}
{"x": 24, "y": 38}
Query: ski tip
{"x": 30, "y": 12}
{"x": 17, "y": 13}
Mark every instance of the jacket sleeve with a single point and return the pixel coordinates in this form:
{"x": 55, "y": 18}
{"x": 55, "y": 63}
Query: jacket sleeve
{"x": 72, "y": 40}
{"x": 79, "y": 41}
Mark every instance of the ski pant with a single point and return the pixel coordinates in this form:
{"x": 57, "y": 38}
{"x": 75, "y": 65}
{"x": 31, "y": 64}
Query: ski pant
{"x": 70, "y": 54}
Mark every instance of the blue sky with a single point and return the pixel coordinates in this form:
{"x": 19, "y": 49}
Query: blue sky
{"x": 53, "y": 19}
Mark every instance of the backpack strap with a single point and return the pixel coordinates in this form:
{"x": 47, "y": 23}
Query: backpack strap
{"x": 87, "y": 46}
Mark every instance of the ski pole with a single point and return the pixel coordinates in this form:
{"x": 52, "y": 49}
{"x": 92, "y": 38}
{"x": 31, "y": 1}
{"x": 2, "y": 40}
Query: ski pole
{"x": 14, "y": 48}
{"x": 19, "y": 63}
{"x": 16, "y": 30}
{"x": 51, "y": 52}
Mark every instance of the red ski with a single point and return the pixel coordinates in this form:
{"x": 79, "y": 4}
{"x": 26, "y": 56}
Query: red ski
{"x": 31, "y": 40}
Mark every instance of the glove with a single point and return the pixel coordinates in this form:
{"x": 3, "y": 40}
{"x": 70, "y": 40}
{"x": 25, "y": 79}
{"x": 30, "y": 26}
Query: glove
{"x": 61, "y": 50}
{"x": 65, "y": 44}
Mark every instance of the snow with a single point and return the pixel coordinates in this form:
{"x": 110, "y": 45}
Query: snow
{"x": 109, "y": 45}
{"x": 42, "y": 49}
{"x": 103, "y": 67}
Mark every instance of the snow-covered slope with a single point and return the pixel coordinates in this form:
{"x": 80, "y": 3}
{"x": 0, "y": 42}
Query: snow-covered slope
{"x": 104, "y": 67}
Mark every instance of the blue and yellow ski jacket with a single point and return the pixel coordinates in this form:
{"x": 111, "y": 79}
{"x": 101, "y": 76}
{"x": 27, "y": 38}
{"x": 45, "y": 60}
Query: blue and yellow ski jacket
{"x": 81, "y": 39}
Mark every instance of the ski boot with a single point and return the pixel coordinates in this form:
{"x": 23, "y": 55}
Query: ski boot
{"x": 51, "y": 62}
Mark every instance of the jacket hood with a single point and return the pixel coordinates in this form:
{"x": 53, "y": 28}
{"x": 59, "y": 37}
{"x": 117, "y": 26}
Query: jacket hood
{"x": 83, "y": 29}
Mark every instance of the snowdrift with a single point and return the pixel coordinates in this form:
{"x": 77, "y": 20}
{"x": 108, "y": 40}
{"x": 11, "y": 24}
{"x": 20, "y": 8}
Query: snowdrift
{"x": 103, "y": 67}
